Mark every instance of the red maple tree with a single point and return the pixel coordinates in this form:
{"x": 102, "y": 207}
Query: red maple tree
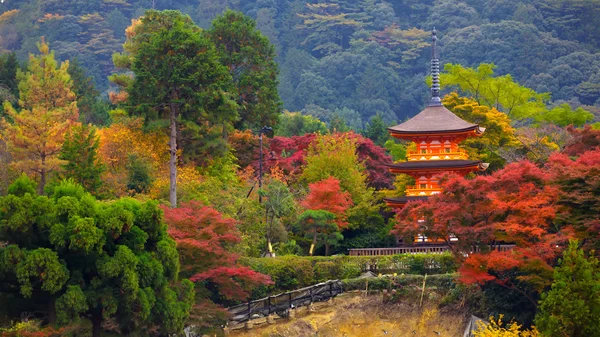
{"x": 516, "y": 205}
{"x": 327, "y": 195}
{"x": 578, "y": 182}
{"x": 203, "y": 239}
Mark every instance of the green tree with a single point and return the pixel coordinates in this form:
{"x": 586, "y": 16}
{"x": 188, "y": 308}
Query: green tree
{"x": 92, "y": 260}
{"x": 297, "y": 124}
{"x": 564, "y": 115}
{"x": 178, "y": 78}
{"x": 376, "y": 130}
{"x": 572, "y": 306}
{"x": 250, "y": 58}
{"x": 92, "y": 109}
{"x": 320, "y": 227}
{"x": 9, "y": 90}
{"x": 500, "y": 92}
{"x": 80, "y": 153}
{"x": 279, "y": 203}
{"x": 335, "y": 156}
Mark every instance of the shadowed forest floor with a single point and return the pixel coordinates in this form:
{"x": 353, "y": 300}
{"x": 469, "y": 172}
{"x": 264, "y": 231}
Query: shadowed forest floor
{"x": 355, "y": 315}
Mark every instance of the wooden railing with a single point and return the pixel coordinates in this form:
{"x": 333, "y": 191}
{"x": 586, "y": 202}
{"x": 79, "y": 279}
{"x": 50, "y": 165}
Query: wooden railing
{"x": 398, "y": 250}
{"x": 281, "y": 303}
{"x": 414, "y": 250}
{"x": 415, "y": 191}
{"x": 416, "y": 155}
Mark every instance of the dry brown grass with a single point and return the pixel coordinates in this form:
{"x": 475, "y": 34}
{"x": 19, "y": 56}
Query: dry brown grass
{"x": 354, "y": 315}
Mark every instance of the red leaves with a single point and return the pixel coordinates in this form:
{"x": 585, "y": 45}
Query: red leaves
{"x": 517, "y": 205}
{"x": 203, "y": 237}
{"x": 327, "y": 195}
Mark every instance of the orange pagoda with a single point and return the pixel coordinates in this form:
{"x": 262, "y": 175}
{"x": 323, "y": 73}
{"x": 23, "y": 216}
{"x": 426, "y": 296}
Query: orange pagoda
{"x": 436, "y": 131}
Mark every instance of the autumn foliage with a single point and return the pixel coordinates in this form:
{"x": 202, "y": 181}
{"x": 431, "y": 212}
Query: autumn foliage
{"x": 516, "y": 205}
{"x": 327, "y": 195}
{"x": 203, "y": 239}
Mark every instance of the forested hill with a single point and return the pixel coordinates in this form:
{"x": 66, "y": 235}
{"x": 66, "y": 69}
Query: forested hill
{"x": 350, "y": 58}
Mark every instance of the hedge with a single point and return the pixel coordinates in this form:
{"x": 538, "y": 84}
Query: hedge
{"x": 292, "y": 272}
{"x": 440, "y": 281}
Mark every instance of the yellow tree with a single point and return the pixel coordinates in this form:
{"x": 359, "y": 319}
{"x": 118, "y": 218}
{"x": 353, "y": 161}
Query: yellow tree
{"x": 499, "y": 134}
{"x": 34, "y": 135}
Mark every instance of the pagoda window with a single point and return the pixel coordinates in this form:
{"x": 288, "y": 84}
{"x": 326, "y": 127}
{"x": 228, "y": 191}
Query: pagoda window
{"x": 447, "y": 150}
{"x": 423, "y": 151}
{"x": 423, "y": 186}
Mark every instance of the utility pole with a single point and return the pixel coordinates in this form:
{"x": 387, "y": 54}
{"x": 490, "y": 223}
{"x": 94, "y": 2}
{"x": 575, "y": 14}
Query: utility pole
{"x": 265, "y": 129}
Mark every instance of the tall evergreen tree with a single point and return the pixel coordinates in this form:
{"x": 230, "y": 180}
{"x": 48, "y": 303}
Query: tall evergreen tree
{"x": 572, "y": 306}
{"x": 91, "y": 107}
{"x": 9, "y": 90}
{"x": 178, "y": 77}
{"x": 80, "y": 153}
{"x": 250, "y": 58}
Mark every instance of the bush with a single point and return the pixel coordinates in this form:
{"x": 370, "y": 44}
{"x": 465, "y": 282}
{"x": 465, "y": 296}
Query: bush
{"x": 292, "y": 272}
{"x": 441, "y": 281}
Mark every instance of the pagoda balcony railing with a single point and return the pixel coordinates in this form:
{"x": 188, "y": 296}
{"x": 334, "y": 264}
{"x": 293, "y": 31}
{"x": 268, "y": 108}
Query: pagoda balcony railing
{"x": 458, "y": 154}
{"x": 412, "y": 191}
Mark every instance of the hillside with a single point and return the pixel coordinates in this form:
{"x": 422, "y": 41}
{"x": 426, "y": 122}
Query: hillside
{"x": 350, "y": 59}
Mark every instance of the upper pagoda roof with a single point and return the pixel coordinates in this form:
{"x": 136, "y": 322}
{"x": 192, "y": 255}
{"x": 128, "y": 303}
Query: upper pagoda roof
{"x": 435, "y": 119}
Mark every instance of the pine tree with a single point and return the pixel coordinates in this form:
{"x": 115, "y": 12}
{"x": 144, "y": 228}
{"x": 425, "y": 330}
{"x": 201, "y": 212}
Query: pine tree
{"x": 34, "y": 136}
{"x": 80, "y": 151}
{"x": 572, "y": 306}
{"x": 250, "y": 58}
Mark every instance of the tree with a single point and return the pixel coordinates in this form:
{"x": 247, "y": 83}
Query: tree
{"x": 9, "y": 90}
{"x": 92, "y": 109}
{"x": 578, "y": 182}
{"x": 499, "y": 136}
{"x": 501, "y": 92}
{"x": 109, "y": 261}
{"x": 204, "y": 238}
{"x": 123, "y": 141}
{"x": 328, "y": 27}
{"x": 296, "y": 124}
{"x": 335, "y": 156}
{"x": 279, "y": 203}
{"x": 563, "y": 115}
{"x": 80, "y": 153}
{"x": 514, "y": 205}
{"x": 326, "y": 195}
{"x": 572, "y": 306}
{"x": 35, "y": 135}
{"x": 178, "y": 76}
{"x": 250, "y": 59}
{"x": 319, "y": 225}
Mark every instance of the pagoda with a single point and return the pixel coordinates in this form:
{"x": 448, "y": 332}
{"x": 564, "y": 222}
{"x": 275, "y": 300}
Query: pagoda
{"x": 436, "y": 131}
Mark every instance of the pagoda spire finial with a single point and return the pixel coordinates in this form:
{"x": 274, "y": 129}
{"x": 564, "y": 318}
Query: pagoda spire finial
{"x": 435, "y": 71}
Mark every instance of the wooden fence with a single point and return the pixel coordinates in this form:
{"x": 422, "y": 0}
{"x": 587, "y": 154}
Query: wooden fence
{"x": 281, "y": 303}
{"x": 414, "y": 250}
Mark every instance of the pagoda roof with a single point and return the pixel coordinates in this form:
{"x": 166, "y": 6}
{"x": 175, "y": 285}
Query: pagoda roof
{"x": 433, "y": 120}
{"x": 437, "y": 164}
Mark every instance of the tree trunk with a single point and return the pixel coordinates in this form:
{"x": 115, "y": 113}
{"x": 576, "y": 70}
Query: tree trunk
{"x": 96, "y": 325}
{"x": 52, "y": 310}
{"x": 173, "y": 157}
{"x": 326, "y": 248}
{"x": 43, "y": 176}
